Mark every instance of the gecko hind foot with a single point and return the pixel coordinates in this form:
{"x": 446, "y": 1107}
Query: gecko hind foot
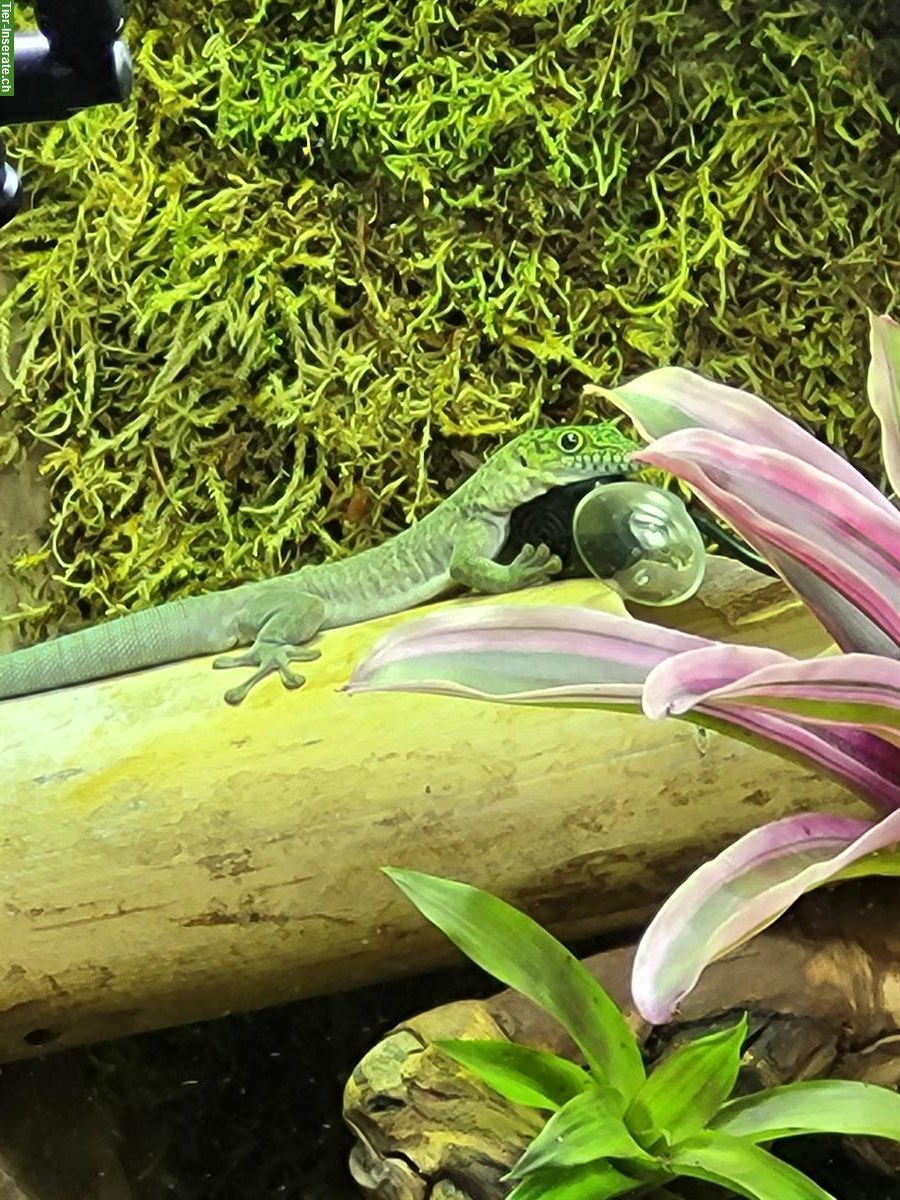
{"x": 268, "y": 658}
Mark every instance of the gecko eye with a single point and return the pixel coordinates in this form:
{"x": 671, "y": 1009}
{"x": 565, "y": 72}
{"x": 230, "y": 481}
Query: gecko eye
{"x": 571, "y": 441}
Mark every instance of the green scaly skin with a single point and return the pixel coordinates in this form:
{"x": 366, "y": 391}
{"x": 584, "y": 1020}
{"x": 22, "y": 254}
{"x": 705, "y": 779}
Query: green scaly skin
{"x": 453, "y": 546}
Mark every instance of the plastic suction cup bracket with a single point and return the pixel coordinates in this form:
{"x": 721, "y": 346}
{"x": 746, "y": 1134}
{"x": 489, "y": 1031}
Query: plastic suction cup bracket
{"x": 10, "y": 189}
{"x": 641, "y": 540}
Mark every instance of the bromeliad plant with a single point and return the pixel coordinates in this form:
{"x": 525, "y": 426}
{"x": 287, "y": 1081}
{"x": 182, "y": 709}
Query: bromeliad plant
{"x": 612, "y": 1130}
{"x": 835, "y": 539}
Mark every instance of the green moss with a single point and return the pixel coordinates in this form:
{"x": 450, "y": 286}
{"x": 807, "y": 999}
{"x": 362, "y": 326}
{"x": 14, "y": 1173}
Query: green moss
{"x": 324, "y": 244}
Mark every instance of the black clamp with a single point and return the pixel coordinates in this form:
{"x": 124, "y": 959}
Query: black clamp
{"x": 74, "y": 60}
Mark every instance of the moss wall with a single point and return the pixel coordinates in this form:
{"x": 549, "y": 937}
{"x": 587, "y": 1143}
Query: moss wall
{"x": 323, "y": 246}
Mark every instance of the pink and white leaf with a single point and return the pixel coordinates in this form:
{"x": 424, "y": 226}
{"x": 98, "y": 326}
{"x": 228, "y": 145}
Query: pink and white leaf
{"x": 674, "y": 398}
{"x": 860, "y": 690}
{"x": 554, "y": 655}
{"x": 883, "y": 384}
{"x": 740, "y": 892}
{"x": 838, "y": 551}
{"x": 541, "y": 653}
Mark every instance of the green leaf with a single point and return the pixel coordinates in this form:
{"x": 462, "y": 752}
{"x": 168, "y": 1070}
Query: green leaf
{"x": 588, "y": 1128}
{"x": 595, "y": 1181}
{"x": 687, "y": 1087}
{"x": 520, "y": 1073}
{"x": 518, "y": 952}
{"x": 880, "y": 862}
{"x": 815, "y": 1106}
{"x": 733, "y": 1163}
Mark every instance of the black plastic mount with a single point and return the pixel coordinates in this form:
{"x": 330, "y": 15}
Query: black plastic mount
{"x": 75, "y": 59}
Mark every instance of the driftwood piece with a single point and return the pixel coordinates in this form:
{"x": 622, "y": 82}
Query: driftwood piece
{"x": 822, "y": 989}
{"x": 166, "y": 858}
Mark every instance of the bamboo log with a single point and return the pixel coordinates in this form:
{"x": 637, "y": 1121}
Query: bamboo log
{"x": 821, "y": 989}
{"x": 166, "y": 858}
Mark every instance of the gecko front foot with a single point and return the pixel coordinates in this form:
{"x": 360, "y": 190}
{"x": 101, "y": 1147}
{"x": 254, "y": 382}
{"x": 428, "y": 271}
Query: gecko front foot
{"x": 533, "y": 565}
{"x": 268, "y": 657}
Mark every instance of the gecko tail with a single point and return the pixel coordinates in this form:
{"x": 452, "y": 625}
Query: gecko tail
{"x": 143, "y": 639}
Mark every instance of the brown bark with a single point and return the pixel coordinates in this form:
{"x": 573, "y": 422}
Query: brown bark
{"x": 822, "y": 989}
{"x": 166, "y": 858}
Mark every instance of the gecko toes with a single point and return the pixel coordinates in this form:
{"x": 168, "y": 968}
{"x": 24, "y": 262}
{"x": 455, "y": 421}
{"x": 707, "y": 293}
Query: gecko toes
{"x": 301, "y": 654}
{"x": 236, "y": 660}
{"x": 267, "y": 658}
{"x": 291, "y": 679}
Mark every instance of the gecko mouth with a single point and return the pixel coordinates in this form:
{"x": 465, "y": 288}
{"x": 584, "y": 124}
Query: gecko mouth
{"x": 606, "y": 466}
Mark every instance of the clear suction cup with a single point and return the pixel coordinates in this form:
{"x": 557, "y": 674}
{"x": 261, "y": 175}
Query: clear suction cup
{"x": 641, "y": 540}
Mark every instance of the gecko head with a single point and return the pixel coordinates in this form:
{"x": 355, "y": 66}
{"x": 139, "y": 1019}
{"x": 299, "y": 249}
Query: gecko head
{"x": 569, "y": 453}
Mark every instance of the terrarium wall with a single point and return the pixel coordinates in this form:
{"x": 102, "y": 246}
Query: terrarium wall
{"x": 251, "y": 315}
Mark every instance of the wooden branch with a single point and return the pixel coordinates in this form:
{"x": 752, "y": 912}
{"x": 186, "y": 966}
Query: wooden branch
{"x": 166, "y": 858}
{"x": 822, "y": 989}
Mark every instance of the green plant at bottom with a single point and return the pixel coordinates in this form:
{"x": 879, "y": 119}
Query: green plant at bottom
{"x": 615, "y": 1130}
